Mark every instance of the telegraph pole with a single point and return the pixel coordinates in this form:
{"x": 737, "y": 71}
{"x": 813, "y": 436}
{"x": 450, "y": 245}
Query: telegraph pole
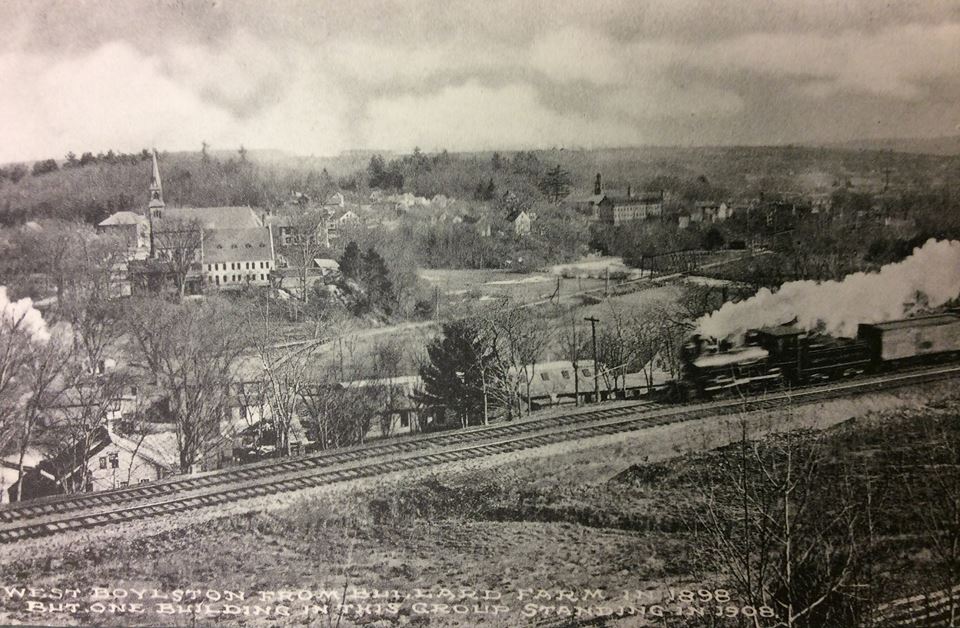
{"x": 596, "y": 376}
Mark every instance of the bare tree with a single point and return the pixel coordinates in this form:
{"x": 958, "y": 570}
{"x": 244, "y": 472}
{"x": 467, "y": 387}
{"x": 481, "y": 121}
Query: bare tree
{"x": 673, "y": 329}
{"x": 22, "y": 329}
{"x": 72, "y": 256}
{"x": 934, "y": 491}
{"x": 177, "y": 245}
{"x": 192, "y": 351}
{"x": 643, "y": 336}
{"x": 520, "y": 338}
{"x": 282, "y": 375}
{"x": 42, "y": 389}
{"x": 305, "y": 239}
{"x": 769, "y": 519}
{"x": 573, "y": 347}
{"x": 387, "y": 362}
{"x": 339, "y": 409}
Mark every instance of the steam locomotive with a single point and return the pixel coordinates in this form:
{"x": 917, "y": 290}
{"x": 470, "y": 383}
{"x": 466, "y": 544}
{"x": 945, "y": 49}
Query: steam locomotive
{"x": 787, "y": 355}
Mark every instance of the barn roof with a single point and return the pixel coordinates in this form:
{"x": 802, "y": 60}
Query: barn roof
{"x": 215, "y": 217}
{"x": 237, "y": 245}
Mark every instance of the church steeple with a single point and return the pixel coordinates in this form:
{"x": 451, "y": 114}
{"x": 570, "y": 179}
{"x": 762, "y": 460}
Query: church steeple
{"x": 156, "y": 191}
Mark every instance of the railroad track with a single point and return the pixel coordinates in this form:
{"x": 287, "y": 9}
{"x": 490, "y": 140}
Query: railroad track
{"x": 233, "y": 485}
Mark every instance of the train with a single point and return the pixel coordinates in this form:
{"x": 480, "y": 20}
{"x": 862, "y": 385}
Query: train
{"x": 786, "y": 355}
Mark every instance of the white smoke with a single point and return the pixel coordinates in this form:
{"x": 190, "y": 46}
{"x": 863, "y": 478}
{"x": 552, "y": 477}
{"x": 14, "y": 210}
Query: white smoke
{"x": 930, "y": 277}
{"x": 22, "y": 316}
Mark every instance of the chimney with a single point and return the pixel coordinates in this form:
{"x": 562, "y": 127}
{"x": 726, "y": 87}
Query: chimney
{"x": 598, "y": 186}
{"x": 629, "y": 191}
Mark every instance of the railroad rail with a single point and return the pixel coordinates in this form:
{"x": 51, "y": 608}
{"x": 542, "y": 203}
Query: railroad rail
{"x": 67, "y": 513}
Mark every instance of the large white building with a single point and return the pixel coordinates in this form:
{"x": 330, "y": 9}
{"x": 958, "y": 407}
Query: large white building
{"x": 233, "y": 247}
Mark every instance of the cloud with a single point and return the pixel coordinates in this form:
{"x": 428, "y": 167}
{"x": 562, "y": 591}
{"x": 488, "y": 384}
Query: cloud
{"x": 893, "y": 62}
{"x": 472, "y": 116}
{"x": 118, "y": 97}
{"x": 662, "y": 99}
{"x": 578, "y": 54}
{"x": 611, "y": 72}
{"x": 113, "y": 97}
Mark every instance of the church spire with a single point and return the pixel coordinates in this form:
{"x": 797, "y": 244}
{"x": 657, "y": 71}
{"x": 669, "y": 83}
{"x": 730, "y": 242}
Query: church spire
{"x": 156, "y": 190}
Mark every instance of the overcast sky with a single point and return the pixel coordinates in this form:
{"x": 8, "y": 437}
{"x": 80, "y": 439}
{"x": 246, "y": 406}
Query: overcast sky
{"x": 318, "y": 77}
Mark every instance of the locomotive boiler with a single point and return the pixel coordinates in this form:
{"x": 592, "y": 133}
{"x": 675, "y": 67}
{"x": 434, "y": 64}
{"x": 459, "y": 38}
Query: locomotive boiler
{"x": 787, "y": 355}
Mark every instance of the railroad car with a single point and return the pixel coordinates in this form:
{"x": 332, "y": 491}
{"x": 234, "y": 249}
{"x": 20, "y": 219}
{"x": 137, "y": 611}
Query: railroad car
{"x": 788, "y": 355}
{"x": 912, "y": 340}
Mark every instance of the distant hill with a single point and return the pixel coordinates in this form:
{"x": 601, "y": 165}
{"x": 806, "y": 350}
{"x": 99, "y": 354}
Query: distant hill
{"x": 947, "y": 145}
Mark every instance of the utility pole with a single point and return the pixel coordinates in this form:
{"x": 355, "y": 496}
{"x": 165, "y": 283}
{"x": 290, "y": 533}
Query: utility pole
{"x": 576, "y": 363}
{"x": 596, "y": 376}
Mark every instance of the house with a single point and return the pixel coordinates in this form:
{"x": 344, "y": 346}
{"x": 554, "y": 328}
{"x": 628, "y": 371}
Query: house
{"x": 259, "y": 441}
{"x": 341, "y": 220}
{"x": 108, "y": 461}
{"x": 286, "y": 228}
{"x": 616, "y": 211}
{"x": 520, "y": 220}
{"x": 327, "y": 267}
{"x": 335, "y": 200}
{"x": 235, "y": 257}
{"x": 711, "y": 211}
{"x": 10, "y": 470}
{"x": 402, "y": 411}
{"x": 131, "y": 228}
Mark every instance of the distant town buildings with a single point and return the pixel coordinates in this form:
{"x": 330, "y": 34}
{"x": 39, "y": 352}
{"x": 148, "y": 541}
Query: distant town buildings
{"x": 618, "y": 210}
{"x": 227, "y": 247}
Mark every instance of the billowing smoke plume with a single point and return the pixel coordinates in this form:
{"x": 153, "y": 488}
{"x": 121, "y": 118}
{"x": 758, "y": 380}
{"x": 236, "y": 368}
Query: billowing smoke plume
{"x": 928, "y": 278}
{"x": 22, "y": 315}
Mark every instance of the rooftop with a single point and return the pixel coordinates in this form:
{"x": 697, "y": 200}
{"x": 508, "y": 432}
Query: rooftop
{"x": 123, "y": 218}
{"x": 237, "y": 245}
{"x": 637, "y": 199}
{"x": 917, "y": 321}
{"x": 215, "y": 217}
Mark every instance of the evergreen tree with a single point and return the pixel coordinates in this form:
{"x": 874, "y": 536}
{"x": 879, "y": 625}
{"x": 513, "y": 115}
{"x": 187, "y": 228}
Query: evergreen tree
{"x": 453, "y": 376}
{"x": 555, "y": 185}
{"x": 376, "y": 280}
{"x": 490, "y": 192}
{"x": 351, "y": 263}
{"x": 377, "y": 171}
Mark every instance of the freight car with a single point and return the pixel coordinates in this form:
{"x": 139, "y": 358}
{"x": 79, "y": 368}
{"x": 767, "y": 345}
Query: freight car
{"x": 788, "y": 355}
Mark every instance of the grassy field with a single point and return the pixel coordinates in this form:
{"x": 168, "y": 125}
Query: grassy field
{"x": 614, "y": 520}
{"x": 477, "y": 285}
